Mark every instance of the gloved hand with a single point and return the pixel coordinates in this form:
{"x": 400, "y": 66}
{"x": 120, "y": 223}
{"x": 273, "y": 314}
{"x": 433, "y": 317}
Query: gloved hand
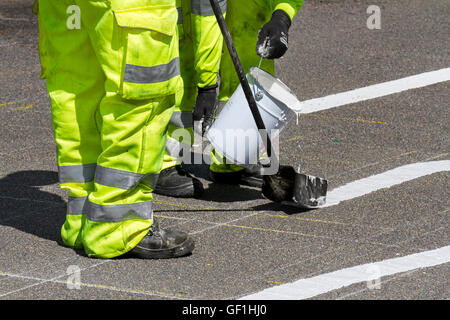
{"x": 273, "y": 36}
{"x": 205, "y": 107}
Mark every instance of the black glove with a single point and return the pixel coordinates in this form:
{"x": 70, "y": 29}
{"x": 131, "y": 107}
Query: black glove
{"x": 206, "y": 106}
{"x": 273, "y": 36}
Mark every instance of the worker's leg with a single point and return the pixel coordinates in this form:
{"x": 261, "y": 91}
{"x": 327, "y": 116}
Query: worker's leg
{"x": 136, "y": 44}
{"x": 179, "y": 134}
{"x": 182, "y": 116}
{"x": 174, "y": 181}
{"x": 244, "y": 19}
{"x": 136, "y": 100}
{"x": 75, "y": 85}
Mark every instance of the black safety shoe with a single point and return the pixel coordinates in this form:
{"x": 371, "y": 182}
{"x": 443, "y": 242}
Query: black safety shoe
{"x": 239, "y": 177}
{"x": 163, "y": 244}
{"x": 177, "y": 182}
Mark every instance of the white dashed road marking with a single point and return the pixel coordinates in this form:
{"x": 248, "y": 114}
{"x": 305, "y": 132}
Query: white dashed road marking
{"x": 375, "y": 91}
{"x": 371, "y": 272}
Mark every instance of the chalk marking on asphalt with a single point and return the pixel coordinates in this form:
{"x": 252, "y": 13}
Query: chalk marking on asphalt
{"x": 24, "y": 108}
{"x": 41, "y": 266}
{"x": 22, "y": 149}
{"x": 45, "y": 280}
{"x": 267, "y": 215}
{"x": 227, "y": 225}
{"x": 33, "y": 200}
{"x": 185, "y": 206}
{"x": 99, "y": 286}
{"x": 7, "y": 104}
{"x": 345, "y": 119}
{"x": 22, "y": 126}
{"x": 217, "y": 225}
{"x": 134, "y": 291}
{"x": 384, "y": 180}
{"x": 130, "y": 290}
{"x": 271, "y": 230}
{"x": 375, "y": 91}
{"x": 3, "y": 18}
{"x": 314, "y": 286}
{"x": 310, "y": 220}
{"x": 343, "y": 162}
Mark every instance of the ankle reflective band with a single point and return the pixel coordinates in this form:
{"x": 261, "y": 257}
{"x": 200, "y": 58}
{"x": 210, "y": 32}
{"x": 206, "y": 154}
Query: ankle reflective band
{"x": 121, "y": 212}
{"x": 77, "y": 205}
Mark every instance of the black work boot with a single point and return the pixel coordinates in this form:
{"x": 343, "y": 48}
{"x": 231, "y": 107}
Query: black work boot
{"x": 162, "y": 244}
{"x": 177, "y": 182}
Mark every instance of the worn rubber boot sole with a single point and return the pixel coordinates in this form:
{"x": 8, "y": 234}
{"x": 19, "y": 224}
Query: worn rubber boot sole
{"x": 181, "y": 250}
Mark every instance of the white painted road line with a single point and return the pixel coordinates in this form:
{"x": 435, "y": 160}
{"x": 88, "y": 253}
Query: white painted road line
{"x": 307, "y": 288}
{"x": 375, "y": 91}
{"x": 371, "y": 272}
{"x": 383, "y": 180}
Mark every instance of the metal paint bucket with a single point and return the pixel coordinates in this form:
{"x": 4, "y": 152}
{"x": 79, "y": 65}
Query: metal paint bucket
{"x": 235, "y": 135}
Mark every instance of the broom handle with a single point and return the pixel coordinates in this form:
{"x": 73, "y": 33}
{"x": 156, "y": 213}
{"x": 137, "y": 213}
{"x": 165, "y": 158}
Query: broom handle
{"x": 242, "y": 78}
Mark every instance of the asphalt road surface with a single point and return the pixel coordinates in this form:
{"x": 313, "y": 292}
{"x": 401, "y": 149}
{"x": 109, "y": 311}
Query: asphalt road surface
{"x": 244, "y": 243}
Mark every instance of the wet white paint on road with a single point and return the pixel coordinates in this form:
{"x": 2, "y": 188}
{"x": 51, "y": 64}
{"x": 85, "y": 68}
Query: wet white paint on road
{"x": 384, "y": 180}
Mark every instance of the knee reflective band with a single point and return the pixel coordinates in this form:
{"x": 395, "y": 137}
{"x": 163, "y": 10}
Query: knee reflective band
{"x": 77, "y": 173}
{"x": 203, "y": 7}
{"x": 123, "y": 179}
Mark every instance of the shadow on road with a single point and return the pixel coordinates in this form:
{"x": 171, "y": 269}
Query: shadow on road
{"x": 273, "y": 206}
{"x": 23, "y": 206}
{"x": 230, "y": 193}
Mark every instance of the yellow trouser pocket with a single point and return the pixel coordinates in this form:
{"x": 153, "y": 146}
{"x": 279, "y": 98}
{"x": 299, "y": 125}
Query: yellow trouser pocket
{"x": 149, "y": 51}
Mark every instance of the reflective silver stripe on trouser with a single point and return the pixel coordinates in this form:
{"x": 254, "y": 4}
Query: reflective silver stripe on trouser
{"x": 121, "y": 212}
{"x": 182, "y": 119}
{"x": 203, "y": 7}
{"x": 155, "y": 74}
{"x": 175, "y": 148}
{"x": 77, "y": 205}
{"x": 180, "y": 16}
{"x": 123, "y": 179}
{"x": 77, "y": 173}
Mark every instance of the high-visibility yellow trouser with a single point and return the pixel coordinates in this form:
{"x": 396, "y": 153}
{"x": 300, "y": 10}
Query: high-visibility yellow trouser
{"x": 200, "y": 52}
{"x": 180, "y": 125}
{"x": 112, "y": 70}
{"x": 244, "y": 19}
